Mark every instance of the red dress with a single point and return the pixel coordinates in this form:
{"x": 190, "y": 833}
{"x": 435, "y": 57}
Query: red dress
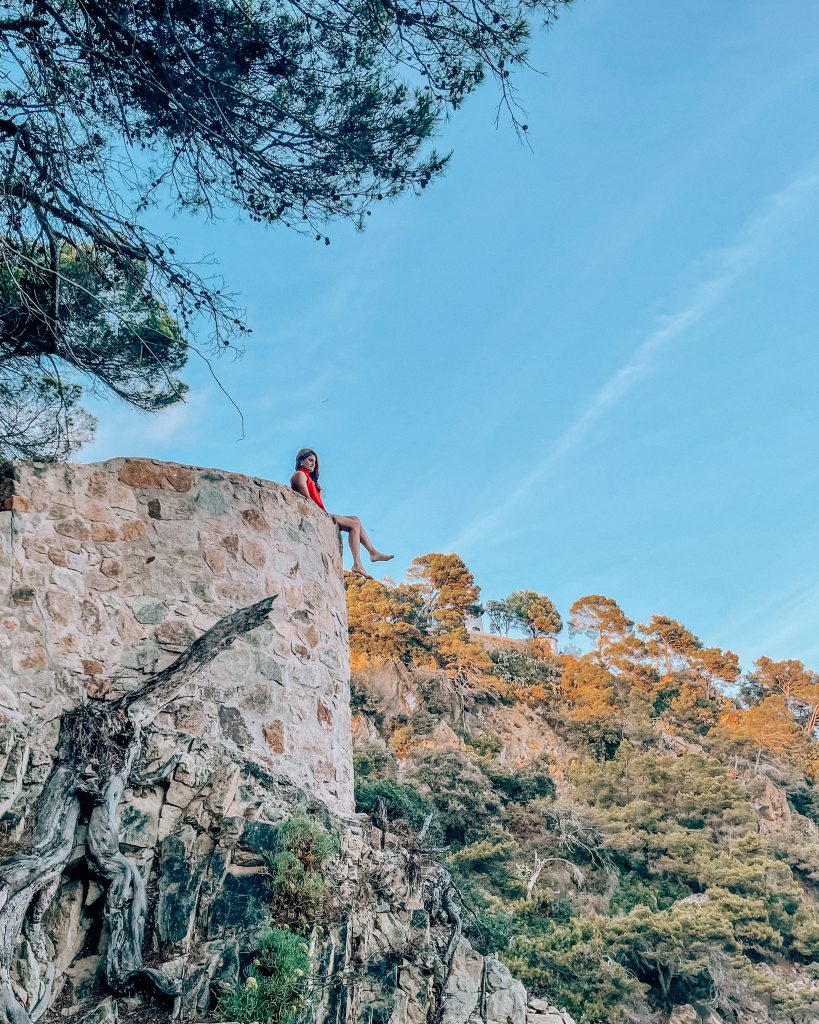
{"x": 313, "y": 490}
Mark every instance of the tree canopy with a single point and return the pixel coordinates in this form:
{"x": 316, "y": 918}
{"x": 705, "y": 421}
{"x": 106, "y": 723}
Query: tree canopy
{"x": 634, "y": 828}
{"x": 529, "y": 611}
{"x": 294, "y": 113}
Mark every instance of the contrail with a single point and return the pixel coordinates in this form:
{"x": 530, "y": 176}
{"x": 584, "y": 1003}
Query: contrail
{"x": 771, "y": 219}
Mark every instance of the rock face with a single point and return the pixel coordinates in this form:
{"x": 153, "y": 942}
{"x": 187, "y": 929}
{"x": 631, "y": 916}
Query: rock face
{"x": 110, "y": 571}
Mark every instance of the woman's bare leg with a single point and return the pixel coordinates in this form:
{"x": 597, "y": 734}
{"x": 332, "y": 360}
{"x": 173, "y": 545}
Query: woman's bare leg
{"x": 357, "y": 538}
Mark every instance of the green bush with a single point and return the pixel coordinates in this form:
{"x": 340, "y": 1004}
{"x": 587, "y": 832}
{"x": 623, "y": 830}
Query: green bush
{"x": 493, "y": 858}
{"x": 401, "y": 803}
{"x": 805, "y": 800}
{"x": 466, "y": 806}
{"x": 571, "y": 965}
{"x": 375, "y": 762}
{"x": 275, "y": 989}
{"x": 299, "y": 883}
{"x": 525, "y": 671}
{"x": 531, "y": 782}
{"x": 485, "y": 744}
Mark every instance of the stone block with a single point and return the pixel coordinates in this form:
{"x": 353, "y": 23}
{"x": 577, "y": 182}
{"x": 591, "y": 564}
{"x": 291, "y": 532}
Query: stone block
{"x": 253, "y": 552}
{"x": 213, "y": 500}
{"x": 255, "y": 520}
{"x": 274, "y": 736}
{"x": 83, "y": 976}
{"x": 66, "y": 925}
{"x": 175, "y": 635}
{"x": 139, "y": 817}
{"x": 73, "y": 526}
{"x": 183, "y": 855}
{"x": 104, "y": 533}
{"x": 179, "y": 795}
{"x": 105, "y": 1012}
{"x": 134, "y": 529}
{"x": 150, "y": 611}
{"x": 15, "y": 503}
{"x": 149, "y": 475}
{"x": 233, "y": 726}
{"x": 215, "y": 557}
{"x": 269, "y": 667}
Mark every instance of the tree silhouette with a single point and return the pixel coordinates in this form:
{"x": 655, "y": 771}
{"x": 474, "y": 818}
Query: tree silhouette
{"x": 295, "y": 113}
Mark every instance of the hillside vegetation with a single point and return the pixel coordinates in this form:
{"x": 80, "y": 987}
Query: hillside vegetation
{"x": 634, "y": 829}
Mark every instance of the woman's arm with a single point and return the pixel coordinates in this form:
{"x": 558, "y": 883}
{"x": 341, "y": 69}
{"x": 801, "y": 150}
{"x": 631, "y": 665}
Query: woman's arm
{"x": 298, "y": 481}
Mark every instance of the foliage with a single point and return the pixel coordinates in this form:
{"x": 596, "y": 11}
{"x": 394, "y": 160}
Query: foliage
{"x": 448, "y": 593}
{"x": 294, "y": 114}
{"x": 275, "y": 989}
{"x": 384, "y": 621}
{"x": 667, "y": 871}
{"x": 40, "y": 416}
{"x": 769, "y": 726}
{"x": 298, "y": 880}
{"x": 602, "y": 620}
{"x": 669, "y": 644}
{"x": 399, "y": 802}
{"x": 464, "y": 800}
{"x": 460, "y": 656}
{"x": 493, "y": 857}
{"x": 374, "y": 762}
{"x": 789, "y": 679}
{"x": 501, "y": 617}
{"x": 535, "y": 613}
{"x": 532, "y": 781}
{"x": 447, "y": 589}
{"x": 570, "y": 964}
{"x": 99, "y": 319}
{"x": 527, "y": 610}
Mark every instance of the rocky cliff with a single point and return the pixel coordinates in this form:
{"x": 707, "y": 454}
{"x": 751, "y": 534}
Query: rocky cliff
{"x": 175, "y": 705}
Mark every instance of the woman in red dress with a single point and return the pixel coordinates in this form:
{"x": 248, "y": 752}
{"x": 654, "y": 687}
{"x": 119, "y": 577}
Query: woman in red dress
{"x": 305, "y": 481}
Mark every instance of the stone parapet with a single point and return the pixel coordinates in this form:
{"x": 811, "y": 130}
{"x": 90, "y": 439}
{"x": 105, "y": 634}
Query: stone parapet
{"x": 108, "y": 571}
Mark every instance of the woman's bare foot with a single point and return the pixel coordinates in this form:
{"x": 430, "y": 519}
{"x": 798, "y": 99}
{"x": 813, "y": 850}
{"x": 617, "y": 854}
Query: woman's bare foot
{"x": 379, "y": 556}
{"x": 359, "y": 569}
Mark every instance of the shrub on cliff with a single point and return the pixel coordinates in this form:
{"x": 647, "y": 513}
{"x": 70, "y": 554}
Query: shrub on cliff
{"x": 570, "y": 965}
{"x": 299, "y": 882}
{"x": 398, "y": 802}
{"x": 466, "y": 805}
{"x": 275, "y": 988}
{"x": 671, "y": 868}
{"x": 531, "y": 679}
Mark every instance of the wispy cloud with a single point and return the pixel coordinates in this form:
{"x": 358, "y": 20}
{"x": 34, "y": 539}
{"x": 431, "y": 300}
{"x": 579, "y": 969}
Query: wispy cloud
{"x": 728, "y": 265}
{"x": 787, "y": 616}
{"x": 125, "y": 431}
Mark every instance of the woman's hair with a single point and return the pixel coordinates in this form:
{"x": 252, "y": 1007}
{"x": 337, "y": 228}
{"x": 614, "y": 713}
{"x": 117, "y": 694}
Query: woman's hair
{"x": 302, "y": 455}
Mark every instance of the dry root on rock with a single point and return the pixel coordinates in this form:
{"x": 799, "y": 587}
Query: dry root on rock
{"x": 99, "y": 747}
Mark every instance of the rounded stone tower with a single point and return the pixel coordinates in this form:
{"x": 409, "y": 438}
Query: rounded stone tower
{"x": 109, "y": 571}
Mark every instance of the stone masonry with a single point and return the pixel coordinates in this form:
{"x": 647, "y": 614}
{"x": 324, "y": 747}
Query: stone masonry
{"x": 109, "y": 571}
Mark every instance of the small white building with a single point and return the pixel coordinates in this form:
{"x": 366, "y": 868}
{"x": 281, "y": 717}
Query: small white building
{"x": 474, "y": 623}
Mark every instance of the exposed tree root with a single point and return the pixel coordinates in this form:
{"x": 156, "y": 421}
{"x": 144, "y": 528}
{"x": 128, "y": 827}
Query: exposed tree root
{"x": 443, "y": 900}
{"x": 100, "y": 745}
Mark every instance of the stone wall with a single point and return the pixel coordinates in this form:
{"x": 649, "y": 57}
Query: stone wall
{"x": 109, "y": 571}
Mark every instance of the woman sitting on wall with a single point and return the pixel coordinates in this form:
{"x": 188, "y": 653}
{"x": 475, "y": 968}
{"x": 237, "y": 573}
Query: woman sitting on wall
{"x": 305, "y": 481}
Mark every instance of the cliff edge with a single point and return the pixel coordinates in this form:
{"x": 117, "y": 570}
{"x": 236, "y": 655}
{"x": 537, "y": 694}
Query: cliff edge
{"x": 176, "y": 792}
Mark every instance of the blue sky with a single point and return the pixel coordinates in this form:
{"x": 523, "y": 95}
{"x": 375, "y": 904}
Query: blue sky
{"x": 588, "y": 367}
